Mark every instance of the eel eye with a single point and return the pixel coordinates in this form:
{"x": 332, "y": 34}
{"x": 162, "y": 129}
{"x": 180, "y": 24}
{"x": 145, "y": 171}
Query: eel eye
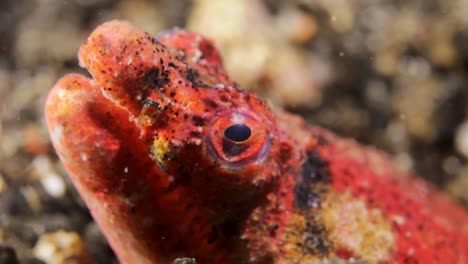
{"x": 238, "y": 137}
{"x": 238, "y": 133}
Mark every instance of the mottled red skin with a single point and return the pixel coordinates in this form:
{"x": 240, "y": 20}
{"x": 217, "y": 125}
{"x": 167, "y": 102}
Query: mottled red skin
{"x": 438, "y": 227}
{"x": 144, "y": 144}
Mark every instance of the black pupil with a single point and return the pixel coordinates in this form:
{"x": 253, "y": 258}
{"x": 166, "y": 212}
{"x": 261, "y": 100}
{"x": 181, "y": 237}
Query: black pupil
{"x": 238, "y": 132}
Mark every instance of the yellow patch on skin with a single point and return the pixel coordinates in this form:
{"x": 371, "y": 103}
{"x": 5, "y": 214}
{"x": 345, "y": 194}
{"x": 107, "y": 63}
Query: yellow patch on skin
{"x": 288, "y": 247}
{"x": 160, "y": 150}
{"x": 291, "y": 248}
{"x": 295, "y": 247}
{"x": 357, "y": 228}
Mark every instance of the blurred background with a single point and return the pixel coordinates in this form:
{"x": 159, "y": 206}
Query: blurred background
{"x": 390, "y": 73}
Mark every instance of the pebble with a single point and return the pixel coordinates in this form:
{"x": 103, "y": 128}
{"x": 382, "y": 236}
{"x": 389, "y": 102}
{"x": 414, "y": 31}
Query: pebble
{"x": 275, "y": 65}
{"x": 298, "y": 26}
{"x": 32, "y": 197}
{"x": 3, "y": 184}
{"x": 13, "y": 202}
{"x": 184, "y": 261}
{"x": 53, "y": 183}
{"x": 458, "y": 185}
{"x": 461, "y": 139}
{"x": 451, "y": 165}
{"x": 61, "y": 247}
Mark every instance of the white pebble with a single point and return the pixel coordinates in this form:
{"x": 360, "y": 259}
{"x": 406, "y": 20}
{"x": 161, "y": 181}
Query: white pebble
{"x": 3, "y": 184}
{"x": 461, "y": 139}
{"x": 61, "y": 247}
{"x": 54, "y": 185}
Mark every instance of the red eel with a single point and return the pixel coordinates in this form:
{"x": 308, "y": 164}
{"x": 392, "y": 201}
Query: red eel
{"x": 175, "y": 160}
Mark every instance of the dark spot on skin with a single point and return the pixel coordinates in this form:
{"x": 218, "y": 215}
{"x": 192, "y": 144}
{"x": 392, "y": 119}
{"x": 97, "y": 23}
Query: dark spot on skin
{"x": 224, "y": 98}
{"x": 237, "y": 87}
{"x": 198, "y": 121}
{"x": 155, "y": 78}
{"x": 315, "y": 241}
{"x": 194, "y": 77}
{"x": 321, "y": 140}
{"x": 195, "y": 133}
{"x": 212, "y": 237}
{"x": 230, "y": 227}
{"x": 272, "y": 230}
{"x": 285, "y": 153}
{"x": 207, "y": 49}
{"x": 226, "y": 228}
{"x": 166, "y": 157}
{"x": 191, "y": 75}
{"x": 172, "y": 94}
{"x": 314, "y": 171}
{"x": 209, "y": 102}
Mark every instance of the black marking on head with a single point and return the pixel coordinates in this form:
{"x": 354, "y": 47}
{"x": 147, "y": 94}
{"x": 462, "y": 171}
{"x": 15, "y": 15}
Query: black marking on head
{"x": 272, "y": 230}
{"x": 198, "y": 121}
{"x": 195, "y": 134}
{"x": 209, "y": 102}
{"x": 223, "y": 97}
{"x": 155, "y": 78}
{"x": 193, "y": 76}
{"x": 314, "y": 170}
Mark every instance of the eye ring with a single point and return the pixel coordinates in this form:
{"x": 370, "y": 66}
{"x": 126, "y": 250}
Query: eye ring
{"x": 238, "y": 138}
